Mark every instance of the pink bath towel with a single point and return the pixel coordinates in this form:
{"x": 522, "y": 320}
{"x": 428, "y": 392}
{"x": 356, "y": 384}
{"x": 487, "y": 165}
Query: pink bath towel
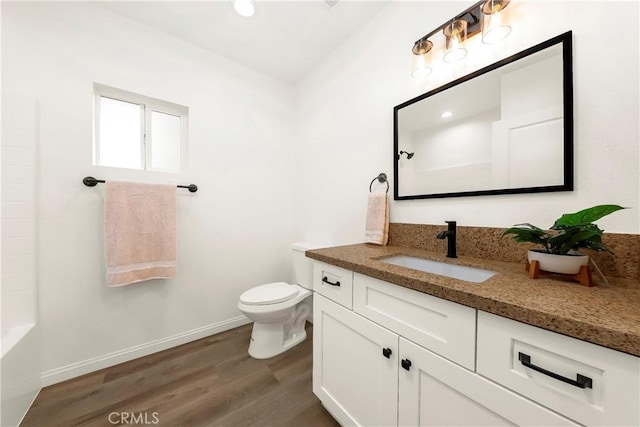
{"x": 139, "y": 232}
{"x": 377, "y": 219}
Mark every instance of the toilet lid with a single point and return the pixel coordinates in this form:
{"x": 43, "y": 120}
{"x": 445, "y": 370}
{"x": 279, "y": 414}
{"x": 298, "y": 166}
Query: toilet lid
{"x": 271, "y": 293}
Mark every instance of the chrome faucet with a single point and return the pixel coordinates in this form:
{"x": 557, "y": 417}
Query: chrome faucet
{"x": 450, "y": 235}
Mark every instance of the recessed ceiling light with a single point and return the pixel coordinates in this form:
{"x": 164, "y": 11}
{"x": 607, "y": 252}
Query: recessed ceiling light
{"x": 446, "y": 114}
{"x": 244, "y": 7}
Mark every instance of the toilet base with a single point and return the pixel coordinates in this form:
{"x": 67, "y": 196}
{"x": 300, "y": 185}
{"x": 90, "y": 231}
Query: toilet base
{"x": 268, "y": 340}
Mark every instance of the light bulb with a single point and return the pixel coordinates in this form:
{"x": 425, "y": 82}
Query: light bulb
{"x": 494, "y": 27}
{"x": 455, "y": 35}
{"x": 421, "y": 58}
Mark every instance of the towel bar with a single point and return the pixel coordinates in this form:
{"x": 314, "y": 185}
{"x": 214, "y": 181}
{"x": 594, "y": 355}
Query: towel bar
{"x": 90, "y": 181}
{"x": 382, "y": 177}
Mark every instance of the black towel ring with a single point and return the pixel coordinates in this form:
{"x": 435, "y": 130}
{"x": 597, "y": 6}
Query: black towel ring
{"x": 381, "y": 178}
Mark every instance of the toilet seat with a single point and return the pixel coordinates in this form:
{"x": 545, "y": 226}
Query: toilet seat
{"x": 271, "y": 293}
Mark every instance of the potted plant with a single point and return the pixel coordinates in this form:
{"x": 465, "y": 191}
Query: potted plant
{"x": 569, "y": 233}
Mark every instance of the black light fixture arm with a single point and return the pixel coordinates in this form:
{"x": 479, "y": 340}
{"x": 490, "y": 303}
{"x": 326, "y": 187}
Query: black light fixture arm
{"x": 471, "y": 15}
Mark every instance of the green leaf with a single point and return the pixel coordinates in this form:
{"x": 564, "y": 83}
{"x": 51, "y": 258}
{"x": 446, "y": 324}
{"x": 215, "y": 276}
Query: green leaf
{"x": 582, "y": 236}
{"x": 597, "y": 246}
{"x": 573, "y": 238}
{"x": 523, "y": 233}
{"x": 585, "y": 216}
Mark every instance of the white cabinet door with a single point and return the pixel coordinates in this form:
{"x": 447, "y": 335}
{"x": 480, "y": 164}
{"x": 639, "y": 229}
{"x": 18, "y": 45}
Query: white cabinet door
{"x": 436, "y": 392}
{"x": 355, "y": 366}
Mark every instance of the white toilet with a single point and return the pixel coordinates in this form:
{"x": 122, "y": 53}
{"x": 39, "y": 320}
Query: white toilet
{"x": 279, "y": 310}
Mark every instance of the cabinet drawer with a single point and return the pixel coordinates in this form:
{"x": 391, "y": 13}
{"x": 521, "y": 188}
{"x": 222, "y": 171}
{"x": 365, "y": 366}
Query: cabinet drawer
{"x": 588, "y": 383}
{"x": 444, "y": 327}
{"x": 334, "y": 283}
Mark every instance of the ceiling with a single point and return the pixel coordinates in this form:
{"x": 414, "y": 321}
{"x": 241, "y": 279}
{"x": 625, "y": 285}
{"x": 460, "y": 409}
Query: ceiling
{"x": 283, "y": 39}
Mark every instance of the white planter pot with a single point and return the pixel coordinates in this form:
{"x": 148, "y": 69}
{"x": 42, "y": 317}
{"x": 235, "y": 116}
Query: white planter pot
{"x": 565, "y": 264}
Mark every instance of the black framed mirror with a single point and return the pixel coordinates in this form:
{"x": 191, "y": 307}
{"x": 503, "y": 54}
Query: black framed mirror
{"x": 504, "y": 129}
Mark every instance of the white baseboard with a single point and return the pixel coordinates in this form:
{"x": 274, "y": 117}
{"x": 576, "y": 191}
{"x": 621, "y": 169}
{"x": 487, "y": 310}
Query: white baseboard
{"x": 74, "y": 370}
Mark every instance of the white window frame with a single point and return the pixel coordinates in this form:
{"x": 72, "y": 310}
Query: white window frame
{"x": 147, "y": 106}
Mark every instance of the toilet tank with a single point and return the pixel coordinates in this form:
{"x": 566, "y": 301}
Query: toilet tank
{"x": 302, "y": 266}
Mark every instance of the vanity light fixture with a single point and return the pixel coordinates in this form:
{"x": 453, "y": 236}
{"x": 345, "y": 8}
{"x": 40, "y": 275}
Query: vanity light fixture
{"x": 485, "y": 17}
{"x": 244, "y": 7}
{"x": 421, "y": 58}
{"x": 494, "y": 25}
{"x": 455, "y": 35}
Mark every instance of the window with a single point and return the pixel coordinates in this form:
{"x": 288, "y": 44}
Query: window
{"x": 137, "y": 132}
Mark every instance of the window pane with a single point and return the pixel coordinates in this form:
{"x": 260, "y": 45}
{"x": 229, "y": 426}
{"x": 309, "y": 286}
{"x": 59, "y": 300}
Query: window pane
{"x": 165, "y": 141}
{"x": 120, "y": 134}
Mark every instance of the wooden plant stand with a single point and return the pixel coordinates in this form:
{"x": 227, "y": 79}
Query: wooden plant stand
{"x": 583, "y": 276}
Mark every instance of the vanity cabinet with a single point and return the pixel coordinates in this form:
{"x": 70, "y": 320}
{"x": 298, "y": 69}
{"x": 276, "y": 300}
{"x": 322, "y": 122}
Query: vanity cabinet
{"x": 370, "y": 366}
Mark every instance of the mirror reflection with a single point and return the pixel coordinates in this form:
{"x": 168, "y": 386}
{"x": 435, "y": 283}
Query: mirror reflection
{"x": 503, "y": 129}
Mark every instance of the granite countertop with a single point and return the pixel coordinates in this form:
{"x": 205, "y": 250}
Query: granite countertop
{"x": 608, "y": 315}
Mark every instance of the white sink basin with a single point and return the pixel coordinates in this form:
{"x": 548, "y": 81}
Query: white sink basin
{"x": 470, "y": 274}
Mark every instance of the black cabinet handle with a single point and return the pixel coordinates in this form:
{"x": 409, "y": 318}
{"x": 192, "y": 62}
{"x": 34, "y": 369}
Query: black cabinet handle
{"x": 325, "y": 280}
{"x": 581, "y": 381}
{"x": 406, "y": 364}
{"x": 386, "y": 352}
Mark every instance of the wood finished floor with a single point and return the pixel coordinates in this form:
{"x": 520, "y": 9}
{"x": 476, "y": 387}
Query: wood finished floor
{"x": 209, "y": 382}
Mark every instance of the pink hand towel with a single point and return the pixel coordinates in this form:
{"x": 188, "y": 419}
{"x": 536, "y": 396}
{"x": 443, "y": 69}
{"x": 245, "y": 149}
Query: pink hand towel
{"x": 377, "y": 219}
{"x": 139, "y": 232}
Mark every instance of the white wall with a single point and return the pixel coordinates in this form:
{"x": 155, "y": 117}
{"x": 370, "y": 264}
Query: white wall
{"x": 234, "y": 233}
{"x": 345, "y": 122}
